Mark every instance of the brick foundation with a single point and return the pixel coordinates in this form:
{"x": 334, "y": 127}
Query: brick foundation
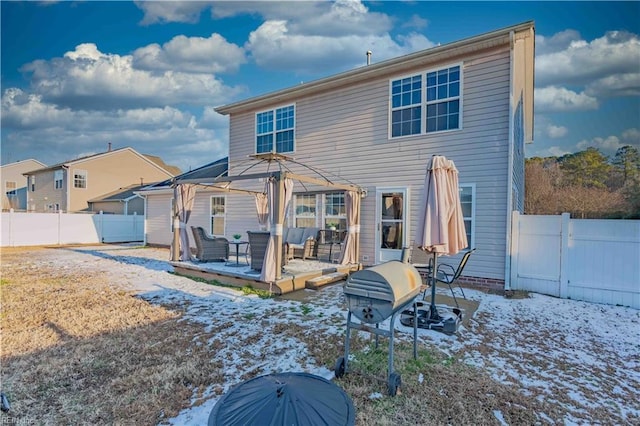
{"x": 481, "y": 283}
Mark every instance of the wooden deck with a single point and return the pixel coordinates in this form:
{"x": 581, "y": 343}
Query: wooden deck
{"x": 298, "y": 274}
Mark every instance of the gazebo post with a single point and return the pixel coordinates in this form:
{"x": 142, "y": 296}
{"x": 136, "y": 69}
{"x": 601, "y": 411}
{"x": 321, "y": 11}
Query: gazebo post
{"x": 279, "y": 211}
{"x": 175, "y": 249}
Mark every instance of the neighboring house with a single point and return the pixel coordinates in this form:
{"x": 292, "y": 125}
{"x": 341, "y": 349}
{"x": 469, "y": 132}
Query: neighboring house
{"x": 121, "y": 201}
{"x": 69, "y": 186}
{"x": 14, "y": 183}
{"x": 208, "y": 209}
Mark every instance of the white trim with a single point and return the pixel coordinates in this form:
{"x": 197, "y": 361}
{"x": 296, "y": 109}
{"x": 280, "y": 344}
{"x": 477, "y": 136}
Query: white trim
{"x": 510, "y": 143}
{"x": 274, "y": 132}
{"x": 223, "y": 216}
{"x": 423, "y": 101}
{"x": 406, "y": 218}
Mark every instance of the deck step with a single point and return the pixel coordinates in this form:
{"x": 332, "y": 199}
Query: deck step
{"x": 317, "y": 282}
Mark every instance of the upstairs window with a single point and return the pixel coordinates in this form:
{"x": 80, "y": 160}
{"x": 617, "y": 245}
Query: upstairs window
{"x": 57, "y": 179}
{"x": 406, "y": 106}
{"x": 275, "y": 130}
{"x": 32, "y": 178}
{"x": 79, "y": 178}
{"x": 426, "y": 103}
{"x": 10, "y": 188}
{"x": 443, "y": 99}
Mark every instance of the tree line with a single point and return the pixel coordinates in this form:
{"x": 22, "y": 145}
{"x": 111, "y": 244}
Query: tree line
{"x": 586, "y": 184}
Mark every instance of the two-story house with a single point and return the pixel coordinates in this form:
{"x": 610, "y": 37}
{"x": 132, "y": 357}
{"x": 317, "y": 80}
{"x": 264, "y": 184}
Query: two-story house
{"x": 68, "y": 186}
{"x": 377, "y": 127}
{"x": 14, "y": 183}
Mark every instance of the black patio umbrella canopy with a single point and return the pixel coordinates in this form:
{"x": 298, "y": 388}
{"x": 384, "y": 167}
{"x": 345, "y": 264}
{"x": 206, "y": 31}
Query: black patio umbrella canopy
{"x": 284, "y": 399}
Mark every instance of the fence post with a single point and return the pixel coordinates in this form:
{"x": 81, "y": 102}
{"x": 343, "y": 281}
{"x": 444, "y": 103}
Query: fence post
{"x": 101, "y": 235}
{"x": 511, "y": 281}
{"x": 11, "y": 227}
{"x": 59, "y": 227}
{"x": 564, "y": 254}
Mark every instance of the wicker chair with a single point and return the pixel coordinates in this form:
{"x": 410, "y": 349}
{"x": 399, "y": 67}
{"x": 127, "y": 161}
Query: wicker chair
{"x": 258, "y": 241}
{"x": 210, "y": 249}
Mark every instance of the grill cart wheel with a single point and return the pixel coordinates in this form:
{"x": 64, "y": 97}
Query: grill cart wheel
{"x": 340, "y": 367}
{"x": 394, "y": 383}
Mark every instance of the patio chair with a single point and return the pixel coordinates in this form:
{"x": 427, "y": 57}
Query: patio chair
{"x": 447, "y": 274}
{"x": 210, "y": 248}
{"x": 258, "y": 241}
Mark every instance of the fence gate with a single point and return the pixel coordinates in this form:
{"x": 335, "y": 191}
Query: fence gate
{"x": 594, "y": 260}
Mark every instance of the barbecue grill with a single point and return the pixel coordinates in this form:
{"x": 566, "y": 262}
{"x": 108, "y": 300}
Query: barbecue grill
{"x": 372, "y": 296}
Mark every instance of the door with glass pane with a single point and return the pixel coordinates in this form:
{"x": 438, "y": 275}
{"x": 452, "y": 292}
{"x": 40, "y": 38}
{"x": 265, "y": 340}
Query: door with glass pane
{"x": 391, "y": 227}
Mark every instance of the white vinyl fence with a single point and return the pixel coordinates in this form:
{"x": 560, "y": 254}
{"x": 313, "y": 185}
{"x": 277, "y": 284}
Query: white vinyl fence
{"x": 31, "y": 229}
{"x": 594, "y": 260}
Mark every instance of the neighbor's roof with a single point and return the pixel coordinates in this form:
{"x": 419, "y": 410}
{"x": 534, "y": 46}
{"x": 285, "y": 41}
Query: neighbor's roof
{"x": 121, "y": 194}
{"x": 391, "y": 66}
{"x": 206, "y": 174}
{"x": 171, "y": 170}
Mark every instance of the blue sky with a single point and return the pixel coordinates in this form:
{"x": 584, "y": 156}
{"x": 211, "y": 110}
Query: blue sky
{"x": 77, "y": 75}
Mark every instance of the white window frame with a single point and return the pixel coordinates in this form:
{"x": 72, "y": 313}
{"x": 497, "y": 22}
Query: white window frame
{"x": 297, "y": 216}
{"x": 58, "y": 179}
{"x": 32, "y": 178}
{"x": 80, "y": 176}
{"x": 274, "y": 130}
{"x": 337, "y": 218}
{"x": 424, "y": 103}
{"x": 212, "y": 215}
{"x": 472, "y": 218}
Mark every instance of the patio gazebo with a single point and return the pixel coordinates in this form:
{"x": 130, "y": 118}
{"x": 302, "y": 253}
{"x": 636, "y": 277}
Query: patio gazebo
{"x": 279, "y": 194}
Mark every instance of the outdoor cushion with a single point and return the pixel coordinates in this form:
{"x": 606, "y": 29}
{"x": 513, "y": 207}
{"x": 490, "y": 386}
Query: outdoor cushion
{"x": 294, "y": 236}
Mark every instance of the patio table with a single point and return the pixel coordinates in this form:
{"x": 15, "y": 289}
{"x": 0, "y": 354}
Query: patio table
{"x": 237, "y": 262}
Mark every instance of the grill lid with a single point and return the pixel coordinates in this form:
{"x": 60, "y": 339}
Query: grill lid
{"x": 394, "y": 282}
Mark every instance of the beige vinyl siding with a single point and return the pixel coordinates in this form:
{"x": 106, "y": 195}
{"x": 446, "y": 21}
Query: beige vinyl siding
{"x": 46, "y": 194}
{"x": 13, "y": 172}
{"x": 108, "y": 172}
{"x": 346, "y": 133}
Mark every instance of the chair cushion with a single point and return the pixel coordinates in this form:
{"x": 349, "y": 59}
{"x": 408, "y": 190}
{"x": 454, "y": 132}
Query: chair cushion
{"x": 309, "y": 233}
{"x": 294, "y": 236}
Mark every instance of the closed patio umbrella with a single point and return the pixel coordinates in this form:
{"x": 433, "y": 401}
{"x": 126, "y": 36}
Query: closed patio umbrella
{"x": 440, "y": 227}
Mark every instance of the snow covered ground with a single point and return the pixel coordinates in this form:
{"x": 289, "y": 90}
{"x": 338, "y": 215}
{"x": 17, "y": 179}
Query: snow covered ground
{"x": 581, "y": 355}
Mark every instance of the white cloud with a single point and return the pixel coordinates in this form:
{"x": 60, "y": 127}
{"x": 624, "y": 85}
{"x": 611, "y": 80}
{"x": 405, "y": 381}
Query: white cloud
{"x": 615, "y": 53}
{"x": 59, "y": 134}
{"x": 631, "y": 137}
{"x": 559, "y": 99}
{"x": 615, "y": 85}
{"x": 273, "y": 47}
{"x": 555, "y": 132}
{"x": 171, "y": 11}
{"x": 191, "y": 54}
{"x": 89, "y": 79}
{"x": 557, "y": 42}
{"x": 608, "y": 145}
{"x": 552, "y": 151}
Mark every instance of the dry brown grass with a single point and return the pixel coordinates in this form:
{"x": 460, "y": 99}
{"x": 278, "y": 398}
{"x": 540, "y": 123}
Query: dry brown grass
{"x": 77, "y": 350}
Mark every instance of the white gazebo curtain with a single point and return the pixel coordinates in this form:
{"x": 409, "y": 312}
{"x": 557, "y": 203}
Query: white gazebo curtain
{"x": 268, "y": 273}
{"x": 262, "y": 208}
{"x": 349, "y": 253}
{"x": 184, "y": 196}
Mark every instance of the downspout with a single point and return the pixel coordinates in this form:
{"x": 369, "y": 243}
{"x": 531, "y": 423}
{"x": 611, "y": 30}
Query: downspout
{"x": 507, "y": 259}
{"x": 67, "y": 177}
